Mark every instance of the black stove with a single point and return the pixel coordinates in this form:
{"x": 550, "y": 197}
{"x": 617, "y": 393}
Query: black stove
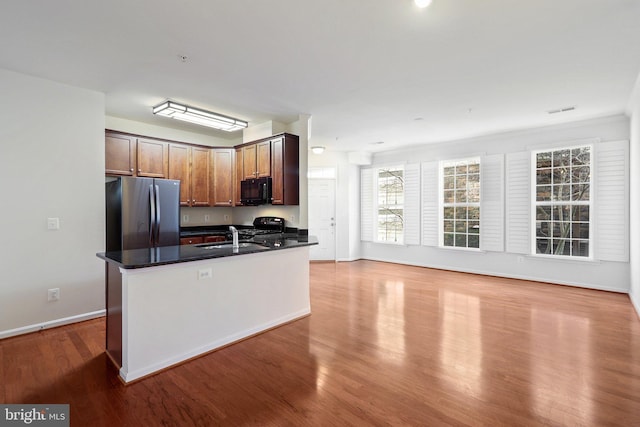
{"x": 262, "y": 225}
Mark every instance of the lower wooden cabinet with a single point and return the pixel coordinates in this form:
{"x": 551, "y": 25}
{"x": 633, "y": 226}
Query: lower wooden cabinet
{"x": 191, "y": 240}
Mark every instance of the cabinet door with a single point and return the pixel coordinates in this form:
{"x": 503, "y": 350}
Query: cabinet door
{"x": 285, "y": 169}
{"x": 249, "y": 162}
{"x": 200, "y": 176}
{"x": 120, "y": 154}
{"x": 179, "y": 169}
{"x": 223, "y": 177}
{"x": 152, "y": 158}
{"x": 277, "y": 171}
{"x": 263, "y": 159}
{"x": 238, "y": 176}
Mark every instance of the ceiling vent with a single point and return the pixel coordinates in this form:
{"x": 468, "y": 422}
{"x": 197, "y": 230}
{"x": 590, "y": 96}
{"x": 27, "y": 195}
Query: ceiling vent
{"x": 562, "y": 110}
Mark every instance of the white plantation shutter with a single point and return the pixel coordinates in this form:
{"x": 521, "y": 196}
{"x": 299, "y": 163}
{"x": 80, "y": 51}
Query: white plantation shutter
{"x": 366, "y": 205}
{"x": 412, "y": 204}
{"x": 430, "y": 194}
{"x": 611, "y": 201}
{"x": 492, "y": 203}
{"x": 518, "y": 203}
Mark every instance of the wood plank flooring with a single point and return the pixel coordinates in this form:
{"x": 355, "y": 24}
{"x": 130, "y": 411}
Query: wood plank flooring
{"x": 385, "y": 345}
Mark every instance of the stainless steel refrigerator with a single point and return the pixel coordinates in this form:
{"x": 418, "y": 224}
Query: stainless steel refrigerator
{"x": 142, "y": 213}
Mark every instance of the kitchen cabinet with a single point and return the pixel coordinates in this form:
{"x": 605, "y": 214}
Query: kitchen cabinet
{"x": 191, "y": 240}
{"x": 214, "y": 239}
{"x": 223, "y": 176}
{"x": 285, "y": 173}
{"x": 152, "y": 158}
{"x": 238, "y": 176}
{"x": 256, "y": 160}
{"x": 190, "y": 165}
{"x": 120, "y": 154}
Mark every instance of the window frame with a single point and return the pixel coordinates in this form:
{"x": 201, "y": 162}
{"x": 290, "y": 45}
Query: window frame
{"x": 442, "y": 204}
{"x": 590, "y": 203}
{"x": 377, "y": 205}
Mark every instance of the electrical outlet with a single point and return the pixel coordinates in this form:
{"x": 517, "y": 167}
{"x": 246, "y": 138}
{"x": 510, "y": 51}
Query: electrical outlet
{"x": 292, "y": 218}
{"x": 53, "y": 294}
{"x": 53, "y": 223}
{"x": 520, "y": 259}
{"x": 205, "y": 273}
{"x": 226, "y": 217}
{"x": 185, "y": 218}
{"x": 206, "y": 218}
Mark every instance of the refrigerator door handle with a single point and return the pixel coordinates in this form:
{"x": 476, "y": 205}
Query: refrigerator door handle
{"x": 157, "y": 236}
{"x": 152, "y": 219}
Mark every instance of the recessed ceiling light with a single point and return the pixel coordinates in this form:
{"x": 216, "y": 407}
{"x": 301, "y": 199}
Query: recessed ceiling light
{"x": 422, "y": 3}
{"x": 377, "y": 143}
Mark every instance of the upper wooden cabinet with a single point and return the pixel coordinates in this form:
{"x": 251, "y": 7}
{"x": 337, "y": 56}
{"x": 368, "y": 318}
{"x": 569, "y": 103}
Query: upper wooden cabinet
{"x": 120, "y": 154}
{"x": 285, "y": 170}
{"x": 152, "y": 158}
{"x": 223, "y": 176}
{"x": 200, "y": 176}
{"x": 238, "y": 176}
{"x": 190, "y": 165}
{"x": 256, "y": 160}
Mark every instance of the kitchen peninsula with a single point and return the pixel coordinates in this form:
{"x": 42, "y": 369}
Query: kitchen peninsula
{"x": 168, "y": 304}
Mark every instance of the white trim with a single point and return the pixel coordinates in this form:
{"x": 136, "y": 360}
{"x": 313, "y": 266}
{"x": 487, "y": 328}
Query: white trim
{"x": 52, "y": 324}
{"x": 499, "y": 274}
{"x": 636, "y": 304}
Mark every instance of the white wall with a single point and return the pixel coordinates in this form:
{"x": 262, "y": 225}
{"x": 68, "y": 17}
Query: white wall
{"x": 51, "y": 165}
{"x": 146, "y": 129}
{"x": 600, "y": 275}
{"x": 634, "y": 291}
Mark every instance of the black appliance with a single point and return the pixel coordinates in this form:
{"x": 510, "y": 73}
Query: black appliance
{"x": 255, "y": 191}
{"x": 262, "y": 225}
{"x": 142, "y": 213}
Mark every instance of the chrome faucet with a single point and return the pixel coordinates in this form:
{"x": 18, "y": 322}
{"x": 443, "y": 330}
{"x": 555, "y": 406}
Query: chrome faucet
{"x": 234, "y": 234}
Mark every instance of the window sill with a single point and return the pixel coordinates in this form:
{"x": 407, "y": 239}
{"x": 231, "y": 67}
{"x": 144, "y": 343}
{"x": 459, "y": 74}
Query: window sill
{"x": 563, "y": 258}
{"x": 460, "y": 248}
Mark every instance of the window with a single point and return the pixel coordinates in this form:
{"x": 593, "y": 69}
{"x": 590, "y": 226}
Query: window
{"x": 390, "y": 186}
{"x": 461, "y": 203}
{"x": 563, "y": 201}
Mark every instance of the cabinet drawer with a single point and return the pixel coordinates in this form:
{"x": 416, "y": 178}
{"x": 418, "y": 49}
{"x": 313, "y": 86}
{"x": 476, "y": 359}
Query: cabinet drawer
{"x": 191, "y": 240}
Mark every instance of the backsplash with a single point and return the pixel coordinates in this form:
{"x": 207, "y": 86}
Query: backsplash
{"x": 241, "y": 215}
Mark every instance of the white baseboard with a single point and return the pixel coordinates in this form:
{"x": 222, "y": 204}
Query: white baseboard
{"x": 636, "y": 303}
{"x": 51, "y": 324}
{"x": 508, "y": 276}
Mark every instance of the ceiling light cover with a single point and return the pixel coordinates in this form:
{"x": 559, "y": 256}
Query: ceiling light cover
{"x": 317, "y": 149}
{"x": 201, "y": 117}
{"x": 422, "y": 3}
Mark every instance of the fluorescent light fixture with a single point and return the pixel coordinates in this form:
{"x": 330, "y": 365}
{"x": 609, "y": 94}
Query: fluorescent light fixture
{"x": 422, "y": 3}
{"x": 201, "y": 117}
{"x": 317, "y": 149}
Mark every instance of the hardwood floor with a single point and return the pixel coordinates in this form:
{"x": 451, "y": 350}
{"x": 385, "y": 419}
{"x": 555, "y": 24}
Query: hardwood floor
{"x": 385, "y": 345}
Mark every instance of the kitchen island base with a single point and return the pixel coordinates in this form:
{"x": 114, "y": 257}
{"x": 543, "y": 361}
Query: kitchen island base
{"x": 171, "y": 313}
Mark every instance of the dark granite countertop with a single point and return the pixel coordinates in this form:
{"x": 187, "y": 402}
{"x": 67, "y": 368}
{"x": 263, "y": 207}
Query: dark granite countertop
{"x": 150, "y": 257}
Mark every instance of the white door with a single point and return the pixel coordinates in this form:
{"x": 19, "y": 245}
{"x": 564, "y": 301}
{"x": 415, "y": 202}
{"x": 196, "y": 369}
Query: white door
{"x": 322, "y": 214}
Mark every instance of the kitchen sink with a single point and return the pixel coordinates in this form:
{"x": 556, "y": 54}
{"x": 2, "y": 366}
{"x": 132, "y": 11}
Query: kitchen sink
{"x": 247, "y": 245}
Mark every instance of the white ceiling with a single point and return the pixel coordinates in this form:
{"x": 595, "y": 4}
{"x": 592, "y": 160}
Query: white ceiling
{"x": 366, "y": 70}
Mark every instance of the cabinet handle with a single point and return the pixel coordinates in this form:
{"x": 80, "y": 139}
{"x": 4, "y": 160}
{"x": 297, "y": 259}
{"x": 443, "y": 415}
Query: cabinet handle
{"x": 229, "y": 201}
{"x": 131, "y": 170}
{"x": 139, "y": 170}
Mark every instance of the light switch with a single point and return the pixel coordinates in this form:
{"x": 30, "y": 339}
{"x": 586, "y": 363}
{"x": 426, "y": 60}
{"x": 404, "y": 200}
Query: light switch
{"x": 53, "y": 223}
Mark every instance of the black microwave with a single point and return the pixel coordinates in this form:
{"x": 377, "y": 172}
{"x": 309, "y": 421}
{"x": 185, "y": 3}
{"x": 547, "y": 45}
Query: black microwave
{"x": 255, "y": 191}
